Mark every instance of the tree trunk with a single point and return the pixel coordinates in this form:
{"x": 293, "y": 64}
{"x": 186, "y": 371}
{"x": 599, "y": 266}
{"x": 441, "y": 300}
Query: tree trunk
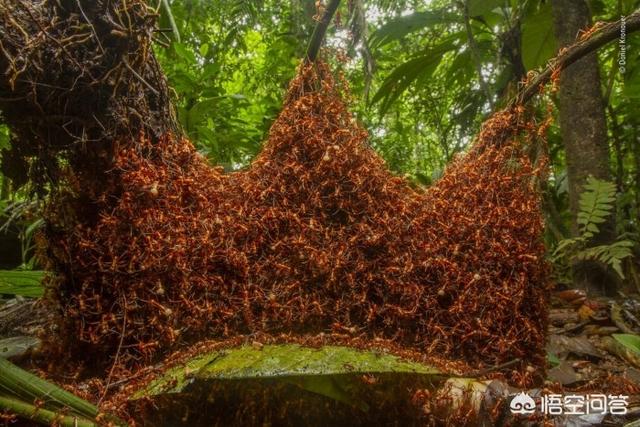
{"x": 584, "y": 133}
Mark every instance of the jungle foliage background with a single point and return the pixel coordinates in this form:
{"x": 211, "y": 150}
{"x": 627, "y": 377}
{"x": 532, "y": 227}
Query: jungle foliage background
{"x": 423, "y": 77}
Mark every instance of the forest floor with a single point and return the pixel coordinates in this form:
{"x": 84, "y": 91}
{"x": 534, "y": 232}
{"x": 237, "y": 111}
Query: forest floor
{"x": 583, "y": 356}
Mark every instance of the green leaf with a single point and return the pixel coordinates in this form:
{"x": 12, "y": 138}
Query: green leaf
{"x": 402, "y": 77}
{"x": 630, "y": 341}
{"x": 33, "y": 227}
{"x": 538, "y": 40}
{"x": 596, "y": 204}
{"x": 624, "y": 346}
{"x": 611, "y": 255}
{"x": 399, "y": 27}
{"x": 23, "y": 386}
{"x": 566, "y": 245}
{"x": 203, "y": 49}
{"x": 616, "y": 264}
{"x": 414, "y": 70}
{"x": 24, "y": 283}
{"x": 461, "y": 69}
{"x": 553, "y": 359}
{"x": 331, "y": 371}
{"x": 593, "y": 228}
{"x": 481, "y": 7}
{"x": 184, "y": 52}
{"x": 210, "y": 71}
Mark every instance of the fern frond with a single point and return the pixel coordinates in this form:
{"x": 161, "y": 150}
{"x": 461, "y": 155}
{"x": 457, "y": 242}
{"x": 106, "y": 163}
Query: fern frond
{"x": 566, "y": 246}
{"x": 597, "y": 203}
{"x": 611, "y": 255}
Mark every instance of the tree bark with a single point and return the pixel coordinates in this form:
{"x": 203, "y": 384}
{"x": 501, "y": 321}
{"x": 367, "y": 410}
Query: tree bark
{"x": 321, "y": 28}
{"x": 584, "y": 133}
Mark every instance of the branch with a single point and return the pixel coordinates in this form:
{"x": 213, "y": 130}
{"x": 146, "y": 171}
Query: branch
{"x": 320, "y": 30}
{"x": 573, "y": 53}
{"x": 172, "y": 21}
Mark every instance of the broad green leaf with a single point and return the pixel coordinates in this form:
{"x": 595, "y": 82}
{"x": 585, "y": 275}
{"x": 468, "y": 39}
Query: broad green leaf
{"x": 331, "y": 371}
{"x": 538, "y": 40}
{"x": 630, "y": 341}
{"x": 406, "y": 74}
{"x": 24, "y": 283}
{"x": 624, "y": 346}
{"x": 400, "y": 27}
{"x": 402, "y": 77}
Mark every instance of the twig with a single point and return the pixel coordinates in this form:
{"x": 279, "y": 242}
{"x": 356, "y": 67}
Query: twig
{"x": 93, "y": 30}
{"x": 141, "y": 79}
{"x": 576, "y": 327}
{"x": 490, "y": 369}
{"x": 56, "y": 41}
{"x": 573, "y": 53}
{"x": 115, "y": 359}
{"x": 320, "y": 30}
